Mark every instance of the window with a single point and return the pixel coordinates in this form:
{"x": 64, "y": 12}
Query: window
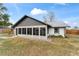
{"x": 29, "y": 31}
{"x": 56, "y": 30}
{"x": 35, "y": 31}
{"x": 23, "y": 30}
{"x": 19, "y": 30}
{"x": 42, "y": 31}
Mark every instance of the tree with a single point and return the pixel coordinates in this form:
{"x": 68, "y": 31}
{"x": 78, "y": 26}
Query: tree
{"x": 2, "y": 9}
{"x": 50, "y": 17}
{"x": 5, "y": 24}
{"x": 4, "y": 17}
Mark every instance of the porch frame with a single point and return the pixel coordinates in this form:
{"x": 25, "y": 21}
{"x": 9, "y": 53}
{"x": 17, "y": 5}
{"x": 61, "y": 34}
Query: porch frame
{"x": 32, "y": 36}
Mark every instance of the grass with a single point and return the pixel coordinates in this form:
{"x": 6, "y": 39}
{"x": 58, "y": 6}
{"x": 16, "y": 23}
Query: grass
{"x": 54, "y": 46}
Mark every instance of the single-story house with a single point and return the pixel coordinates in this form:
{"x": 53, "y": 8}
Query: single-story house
{"x": 33, "y": 28}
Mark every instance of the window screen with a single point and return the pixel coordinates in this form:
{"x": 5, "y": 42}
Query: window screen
{"x": 23, "y": 30}
{"x": 42, "y": 31}
{"x": 35, "y": 31}
{"x": 56, "y": 30}
{"x": 29, "y": 31}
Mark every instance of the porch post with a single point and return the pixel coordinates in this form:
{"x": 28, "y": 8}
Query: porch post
{"x": 39, "y": 32}
{"x": 15, "y": 32}
{"x": 32, "y": 31}
{"x": 46, "y": 32}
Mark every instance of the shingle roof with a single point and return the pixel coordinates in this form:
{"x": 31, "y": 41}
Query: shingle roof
{"x": 25, "y": 16}
{"x": 57, "y": 24}
{"x": 51, "y": 24}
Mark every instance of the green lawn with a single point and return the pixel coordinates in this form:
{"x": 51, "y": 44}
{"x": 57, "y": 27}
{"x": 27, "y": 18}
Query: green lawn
{"x": 55, "y": 46}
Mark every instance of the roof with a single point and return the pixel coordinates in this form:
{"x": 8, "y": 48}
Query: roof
{"x": 57, "y": 24}
{"x": 51, "y": 24}
{"x": 25, "y": 16}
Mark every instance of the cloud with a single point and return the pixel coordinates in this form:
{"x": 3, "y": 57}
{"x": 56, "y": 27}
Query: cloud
{"x": 37, "y": 11}
{"x": 72, "y": 24}
{"x": 72, "y": 21}
{"x": 66, "y": 22}
{"x": 75, "y": 24}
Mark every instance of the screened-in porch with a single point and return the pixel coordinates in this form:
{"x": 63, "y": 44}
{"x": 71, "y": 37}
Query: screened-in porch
{"x": 37, "y": 32}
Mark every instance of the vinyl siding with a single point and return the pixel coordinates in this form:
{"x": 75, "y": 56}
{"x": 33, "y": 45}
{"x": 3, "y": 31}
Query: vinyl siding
{"x": 29, "y": 22}
{"x": 61, "y": 32}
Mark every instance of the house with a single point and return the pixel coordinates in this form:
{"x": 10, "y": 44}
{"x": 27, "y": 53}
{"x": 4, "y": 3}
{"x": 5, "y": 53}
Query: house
{"x": 33, "y": 28}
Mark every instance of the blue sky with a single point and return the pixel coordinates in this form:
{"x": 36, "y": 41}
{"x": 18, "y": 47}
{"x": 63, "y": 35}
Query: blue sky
{"x": 69, "y": 13}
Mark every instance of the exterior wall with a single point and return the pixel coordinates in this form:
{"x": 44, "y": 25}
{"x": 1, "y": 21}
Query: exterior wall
{"x": 29, "y": 22}
{"x": 51, "y": 31}
{"x": 61, "y": 32}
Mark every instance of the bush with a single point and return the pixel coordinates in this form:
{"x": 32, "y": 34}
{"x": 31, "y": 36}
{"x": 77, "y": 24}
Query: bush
{"x": 3, "y": 23}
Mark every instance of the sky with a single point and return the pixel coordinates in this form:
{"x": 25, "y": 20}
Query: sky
{"x": 68, "y": 13}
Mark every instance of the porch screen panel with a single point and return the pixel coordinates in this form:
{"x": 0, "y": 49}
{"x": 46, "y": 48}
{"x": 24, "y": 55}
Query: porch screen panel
{"x": 35, "y": 31}
{"x": 19, "y": 30}
{"x": 23, "y": 30}
{"x": 29, "y": 31}
{"x": 42, "y": 32}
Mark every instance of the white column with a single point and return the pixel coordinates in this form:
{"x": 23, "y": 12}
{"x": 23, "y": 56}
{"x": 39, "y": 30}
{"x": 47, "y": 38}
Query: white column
{"x": 15, "y": 31}
{"x": 64, "y": 32}
{"x": 46, "y": 32}
{"x": 39, "y": 32}
{"x": 32, "y": 31}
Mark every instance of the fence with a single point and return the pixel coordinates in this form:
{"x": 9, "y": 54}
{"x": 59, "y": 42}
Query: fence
{"x": 6, "y": 30}
{"x": 75, "y": 32}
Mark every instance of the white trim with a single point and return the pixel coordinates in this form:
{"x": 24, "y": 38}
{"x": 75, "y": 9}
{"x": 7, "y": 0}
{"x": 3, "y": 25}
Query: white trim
{"x": 32, "y": 31}
{"x": 46, "y": 33}
{"x": 30, "y": 26}
{"x": 39, "y": 32}
{"x": 15, "y": 31}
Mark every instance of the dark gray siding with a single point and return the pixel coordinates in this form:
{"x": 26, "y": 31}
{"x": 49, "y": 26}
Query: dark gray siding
{"x": 29, "y": 22}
